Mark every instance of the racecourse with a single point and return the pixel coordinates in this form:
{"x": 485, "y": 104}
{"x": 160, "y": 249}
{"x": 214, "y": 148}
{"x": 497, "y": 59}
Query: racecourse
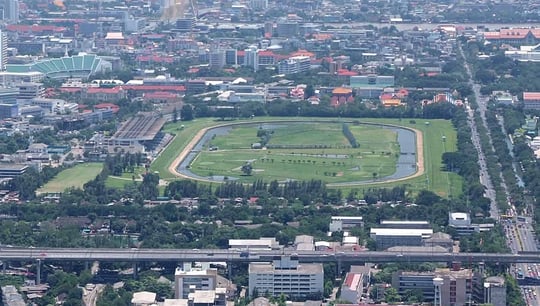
{"x": 430, "y": 174}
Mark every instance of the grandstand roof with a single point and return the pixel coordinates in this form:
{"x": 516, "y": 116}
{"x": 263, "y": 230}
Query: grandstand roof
{"x": 73, "y": 66}
{"x": 144, "y": 126}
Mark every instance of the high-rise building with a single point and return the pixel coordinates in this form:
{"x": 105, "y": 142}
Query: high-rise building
{"x": 216, "y": 58}
{"x": 454, "y": 287}
{"x": 3, "y": 50}
{"x": 285, "y": 275}
{"x": 251, "y": 58}
{"x": 258, "y": 5}
{"x": 11, "y": 11}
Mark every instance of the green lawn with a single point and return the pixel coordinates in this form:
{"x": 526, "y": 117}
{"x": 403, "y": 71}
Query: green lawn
{"x": 336, "y": 163}
{"x": 443, "y": 183}
{"x": 75, "y": 176}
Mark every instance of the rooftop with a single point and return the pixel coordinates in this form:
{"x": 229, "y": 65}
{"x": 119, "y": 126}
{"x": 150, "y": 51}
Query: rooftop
{"x": 303, "y": 268}
{"x": 401, "y": 232}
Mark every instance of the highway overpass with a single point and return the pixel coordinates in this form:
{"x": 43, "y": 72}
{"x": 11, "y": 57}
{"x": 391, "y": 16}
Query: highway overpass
{"x": 220, "y": 255}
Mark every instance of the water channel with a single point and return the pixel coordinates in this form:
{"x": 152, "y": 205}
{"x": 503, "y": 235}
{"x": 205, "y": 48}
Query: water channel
{"x": 405, "y": 166}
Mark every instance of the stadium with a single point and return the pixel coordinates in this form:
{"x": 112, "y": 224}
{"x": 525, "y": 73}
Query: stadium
{"x": 78, "y": 66}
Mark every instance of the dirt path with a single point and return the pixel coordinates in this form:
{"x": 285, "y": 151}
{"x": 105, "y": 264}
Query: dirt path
{"x": 420, "y": 167}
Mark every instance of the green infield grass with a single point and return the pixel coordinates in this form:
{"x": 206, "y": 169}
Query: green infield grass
{"x": 74, "y": 177}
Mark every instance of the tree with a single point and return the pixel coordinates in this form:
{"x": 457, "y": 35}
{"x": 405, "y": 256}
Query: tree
{"x": 186, "y": 113}
{"x": 247, "y": 168}
{"x": 175, "y": 115}
{"x": 391, "y": 295}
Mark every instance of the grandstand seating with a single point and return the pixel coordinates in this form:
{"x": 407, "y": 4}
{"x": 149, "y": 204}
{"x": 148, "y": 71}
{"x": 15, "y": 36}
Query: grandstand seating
{"x": 75, "y": 66}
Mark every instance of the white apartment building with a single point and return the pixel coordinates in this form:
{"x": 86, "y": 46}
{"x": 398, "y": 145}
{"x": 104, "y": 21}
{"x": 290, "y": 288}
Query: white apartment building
{"x": 200, "y": 279}
{"x": 287, "y": 276}
{"x": 295, "y": 64}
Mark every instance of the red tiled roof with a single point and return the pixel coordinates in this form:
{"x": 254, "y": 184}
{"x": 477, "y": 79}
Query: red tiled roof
{"x": 531, "y": 96}
{"x": 95, "y": 90}
{"x": 240, "y": 53}
{"x": 70, "y": 89}
{"x": 345, "y": 72}
{"x": 34, "y": 28}
{"x": 175, "y": 88}
{"x": 265, "y": 53}
{"x": 160, "y": 95}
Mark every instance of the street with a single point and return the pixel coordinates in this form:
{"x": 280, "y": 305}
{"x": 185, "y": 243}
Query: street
{"x": 519, "y": 232}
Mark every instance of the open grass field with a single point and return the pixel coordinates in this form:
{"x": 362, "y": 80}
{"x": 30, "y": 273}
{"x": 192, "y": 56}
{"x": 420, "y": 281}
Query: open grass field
{"x": 75, "y": 176}
{"x": 336, "y": 162}
{"x": 443, "y": 183}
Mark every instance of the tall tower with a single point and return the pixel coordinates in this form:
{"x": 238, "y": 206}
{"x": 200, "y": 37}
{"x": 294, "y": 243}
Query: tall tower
{"x": 438, "y": 282}
{"x": 3, "y": 50}
{"x": 11, "y": 11}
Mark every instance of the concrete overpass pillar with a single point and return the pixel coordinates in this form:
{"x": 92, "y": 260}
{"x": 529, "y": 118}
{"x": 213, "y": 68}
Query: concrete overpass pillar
{"x": 338, "y": 268}
{"x": 135, "y": 269}
{"x": 86, "y": 265}
{"x": 38, "y": 272}
{"x": 229, "y": 270}
{"x": 5, "y": 264}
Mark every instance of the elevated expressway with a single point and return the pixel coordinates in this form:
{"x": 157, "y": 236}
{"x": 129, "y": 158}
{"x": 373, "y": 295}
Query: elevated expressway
{"x": 221, "y": 255}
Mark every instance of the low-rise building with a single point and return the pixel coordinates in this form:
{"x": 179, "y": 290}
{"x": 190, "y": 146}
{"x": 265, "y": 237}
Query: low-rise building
{"x": 462, "y": 224}
{"x": 495, "y": 291}
{"x": 531, "y": 100}
{"x": 194, "y": 279}
{"x": 254, "y": 244}
{"x": 355, "y": 285}
{"x": 389, "y": 237}
{"x": 341, "y": 223}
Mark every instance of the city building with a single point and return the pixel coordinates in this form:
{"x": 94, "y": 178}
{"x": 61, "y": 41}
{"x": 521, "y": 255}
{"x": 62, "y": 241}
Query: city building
{"x": 254, "y": 244}
{"x": 194, "y": 279}
{"x": 285, "y": 275}
{"x": 405, "y": 224}
{"x": 295, "y": 64}
{"x": 3, "y": 50}
{"x": 12, "y": 297}
{"x": 458, "y": 286}
{"x": 531, "y": 100}
{"x": 287, "y": 28}
{"x": 462, "y": 224}
{"x": 389, "y": 237}
{"x": 143, "y": 298}
{"x": 12, "y": 170}
{"x": 10, "y": 78}
{"x": 371, "y": 86}
{"x": 495, "y": 291}
{"x": 525, "y": 54}
{"x": 8, "y": 95}
{"x": 29, "y": 90}
{"x": 217, "y": 58}
{"x": 251, "y": 58}
{"x": 519, "y": 36}
{"x": 258, "y": 5}
{"x": 356, "y": 283}
{"x": 8, "y": 110}
{"x": 11, "y": 11}
{"x": 341, "y": 223}
{"x": 503, "y": 97}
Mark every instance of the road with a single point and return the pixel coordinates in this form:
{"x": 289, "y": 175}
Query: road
{"x": 519, "y": 232}
{"x": 224, "y": 255}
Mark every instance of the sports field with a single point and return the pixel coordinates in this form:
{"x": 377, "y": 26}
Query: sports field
{"x": 75, "y": 176}
{"x": 301, "y": 151}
